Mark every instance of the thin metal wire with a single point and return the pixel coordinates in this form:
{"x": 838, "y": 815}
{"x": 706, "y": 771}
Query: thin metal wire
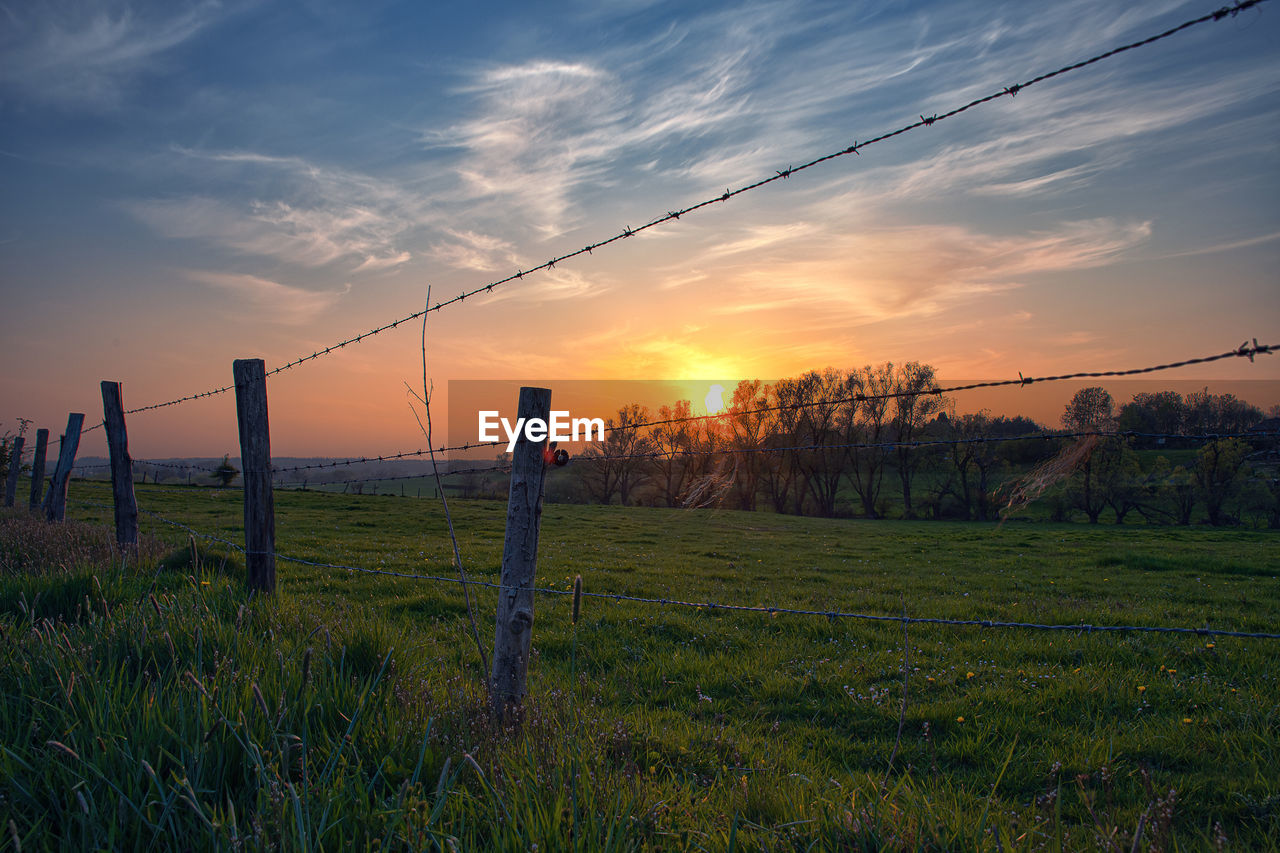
{"x": 940, "y": 442}
{"x": 405, "y": 454}
{"x": 671, "y": 454}
{"x": 782, "y": 174}
{"x": 425, "y": 475}
{"x": 1245, "y": 350}
{"x": 711, "y": 606}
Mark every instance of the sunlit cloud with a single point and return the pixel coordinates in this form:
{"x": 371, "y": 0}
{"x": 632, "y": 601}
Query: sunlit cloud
{"x": 382, "y": 263}
{"x": 553, "y": 285}
{"x": 272, "y": 301}
{"x": 470, "y": 250}
{"x": 885, "y": 274}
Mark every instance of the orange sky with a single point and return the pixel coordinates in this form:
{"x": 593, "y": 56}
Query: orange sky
{"x": 1120, "y": 216}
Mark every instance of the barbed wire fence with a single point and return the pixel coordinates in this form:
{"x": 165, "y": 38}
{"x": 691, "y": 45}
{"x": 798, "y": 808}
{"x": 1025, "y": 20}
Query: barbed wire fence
{"x": 856, "y": 148}
{"x": 1248, "y": 350}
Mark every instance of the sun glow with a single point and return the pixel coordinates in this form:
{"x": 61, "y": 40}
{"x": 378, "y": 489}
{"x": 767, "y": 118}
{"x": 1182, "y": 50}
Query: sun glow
{"x": 714, "y": 401}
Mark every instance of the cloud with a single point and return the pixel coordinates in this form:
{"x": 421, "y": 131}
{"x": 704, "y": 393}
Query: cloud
{"x": 382, "y": 263}
{"x": 311, "y": 215}
{"x": 541, "y": 131}
{"x": 87, "y": 54}
{"x": 271, "y": 300}
{"x": 1228, "y": 246}
{"x": 894, "y": 273}
{"x": 471, "y": 250}
{"x": 551, "y": 286}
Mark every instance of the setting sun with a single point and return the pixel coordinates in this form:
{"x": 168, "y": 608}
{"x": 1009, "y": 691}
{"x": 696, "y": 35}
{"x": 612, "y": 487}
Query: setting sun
{"x": 714, "y": 401}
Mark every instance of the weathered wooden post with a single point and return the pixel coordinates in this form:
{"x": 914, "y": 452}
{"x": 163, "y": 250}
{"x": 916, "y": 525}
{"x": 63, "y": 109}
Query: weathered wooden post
{"x": 255, "y": 457}
{"x": 62, "y": 474}
{"x": 513, "y": 633}
{"x": 15, "y": 465}
{"x": 121, "y": 465}
{"x": 37, "y": 468}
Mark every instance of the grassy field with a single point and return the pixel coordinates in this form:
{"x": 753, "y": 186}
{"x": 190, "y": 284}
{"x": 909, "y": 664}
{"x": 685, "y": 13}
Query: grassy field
{"x": 156, "y": 703}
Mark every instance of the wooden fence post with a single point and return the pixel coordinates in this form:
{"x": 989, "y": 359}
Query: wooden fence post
{"x": 513, "y": 632}
{"x": 255, "y": 457}
{"x": 37, "y": 468}
{"x": 121, "y": 465}
{"x": 62, "y": 474}
{"x": 15, "y": 465}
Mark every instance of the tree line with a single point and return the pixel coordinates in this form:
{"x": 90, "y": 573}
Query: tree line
{"x": 882, "y": 441}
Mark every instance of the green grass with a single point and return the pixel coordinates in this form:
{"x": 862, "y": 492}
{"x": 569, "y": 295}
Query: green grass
{"x": 647, "y": 727}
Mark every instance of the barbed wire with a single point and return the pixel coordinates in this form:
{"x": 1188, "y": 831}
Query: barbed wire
{"x": 589, "y": 457}
{"x": 405, "y": 454}
{"x": 1245, "y": 350}
{"x": 925, "y": 443}
{"x": 145, "y": 462}
{"x": 771, "y": 610}
{"x": 779, "y": 175}
{"x": 423, "y": 475}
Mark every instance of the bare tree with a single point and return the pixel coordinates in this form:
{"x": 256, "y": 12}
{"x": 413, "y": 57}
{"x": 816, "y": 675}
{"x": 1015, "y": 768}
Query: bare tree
{"x": 670, "y": 445}
{"x": 871, "y": 426}
{"x": 916, "y": 404}
{"x": 615, "y": 466}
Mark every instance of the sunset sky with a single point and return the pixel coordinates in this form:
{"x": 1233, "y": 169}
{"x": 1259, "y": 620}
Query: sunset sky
{"x": 182, "y": 184}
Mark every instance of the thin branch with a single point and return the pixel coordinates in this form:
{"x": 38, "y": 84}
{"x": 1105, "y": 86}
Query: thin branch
{"x": 425, "y": 399}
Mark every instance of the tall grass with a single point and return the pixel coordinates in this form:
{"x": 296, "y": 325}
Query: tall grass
{"x": 151, "y": 703}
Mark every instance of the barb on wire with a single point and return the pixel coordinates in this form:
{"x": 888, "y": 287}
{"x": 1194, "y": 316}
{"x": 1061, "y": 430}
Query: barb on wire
{"x": 405, "y": 454}
{"x": 1245, "y": 350}
{"x": 672, "y": 215}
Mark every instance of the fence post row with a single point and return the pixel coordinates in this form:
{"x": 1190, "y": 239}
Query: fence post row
{"x": 255, "y": 458}
{"x": 57, "y": 501}
{"x": 513, "y": 632}
{"x": 37, "y": 468}
{"x": 15, "y": 463}
{"x": 126, "y": 502}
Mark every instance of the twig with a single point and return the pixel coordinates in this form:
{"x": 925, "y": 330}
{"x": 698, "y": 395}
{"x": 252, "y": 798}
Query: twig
{"x": 425, "y": 399}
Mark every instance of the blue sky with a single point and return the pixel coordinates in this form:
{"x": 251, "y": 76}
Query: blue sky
{"x": 186, "y": 183}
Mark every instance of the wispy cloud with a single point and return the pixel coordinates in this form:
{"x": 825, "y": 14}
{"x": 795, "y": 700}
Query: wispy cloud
{"x": 85, "y": 54}
{"x": 312, "y": 215}
{"x": 883, "y": 274}
{"x": 471, "y": 250}
{"x": 1228, "y": 246}
{"x": 272, "y": 301}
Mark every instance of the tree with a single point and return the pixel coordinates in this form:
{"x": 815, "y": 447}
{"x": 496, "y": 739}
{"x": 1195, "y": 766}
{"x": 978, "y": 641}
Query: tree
{"x": 1120, "y": 477}
{"x": 615, "y": 465}
{"x": 225, "y": 473}
{"x": 1218, "y": 473}
{"x": 970, "y": 456}
{"x": 749, "y": 428}
{"x": 1089, "y": 409}
{"x": 1162, "y": 412}
{"x": 866, "y": 468}
{"x": 820, "y": 422}
{"x": 917, "y": 402}
{"x": 1219, "y": 413}
{"x": 671, "y": 442}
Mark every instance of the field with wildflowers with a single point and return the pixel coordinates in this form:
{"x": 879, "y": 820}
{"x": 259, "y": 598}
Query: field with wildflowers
{"x": 150, "y": 702}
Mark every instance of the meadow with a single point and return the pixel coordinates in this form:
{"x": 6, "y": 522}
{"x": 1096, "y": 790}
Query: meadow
{"x": 151, "y": 702}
